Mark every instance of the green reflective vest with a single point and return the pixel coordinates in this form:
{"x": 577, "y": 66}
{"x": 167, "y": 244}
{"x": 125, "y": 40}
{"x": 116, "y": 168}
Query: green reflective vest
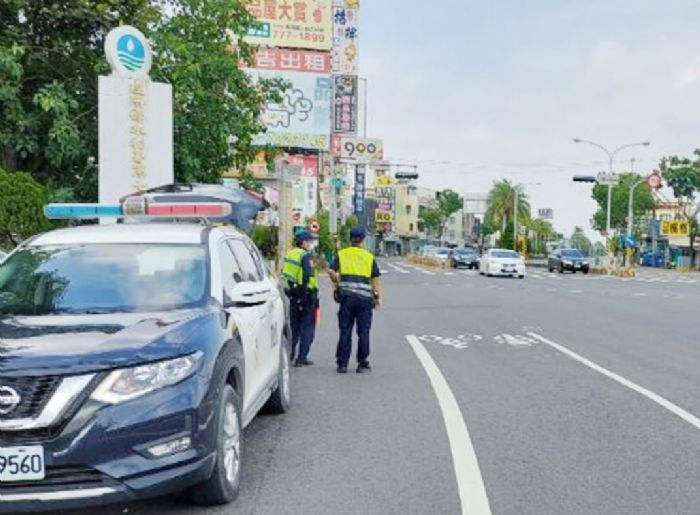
{"x": 293, "y": 272}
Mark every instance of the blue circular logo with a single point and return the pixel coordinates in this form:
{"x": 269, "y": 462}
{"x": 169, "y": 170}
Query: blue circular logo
{"x": 131, "y": 52}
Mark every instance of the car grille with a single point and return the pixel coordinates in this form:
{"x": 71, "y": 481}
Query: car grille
{"x": 61, "y": 477}
{"x": 35, "y": 393}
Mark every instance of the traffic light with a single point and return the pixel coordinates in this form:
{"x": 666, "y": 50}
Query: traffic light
{"x": 585, "y": 178}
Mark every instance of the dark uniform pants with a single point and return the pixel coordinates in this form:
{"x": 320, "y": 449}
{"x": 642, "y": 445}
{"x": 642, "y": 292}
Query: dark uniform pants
{"x": 356, "y": 311}
{"x": 303, "y": 325}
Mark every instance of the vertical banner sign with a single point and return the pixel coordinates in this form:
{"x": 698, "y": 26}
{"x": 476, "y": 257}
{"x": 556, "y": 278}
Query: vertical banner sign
{"x": 359, "y": 197}
{"x": 345, "y": 104}
{"x": 135, "y": 120}
{"x": 345, "y": 37}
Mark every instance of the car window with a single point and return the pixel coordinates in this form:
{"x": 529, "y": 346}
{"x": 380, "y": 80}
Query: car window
{"x": 230, "y": 271}
{"x": 257, "y": 258}
{"x": 249, "y": 269}
{"x": 504, "y": 254}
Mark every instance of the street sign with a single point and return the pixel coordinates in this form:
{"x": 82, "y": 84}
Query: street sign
{"x": 545, "y": 214}
{"x": 406, "y": 176}
{"x": 608, "y": 179}
{"x": 654, "y": 180}
{"x": 357, "y": 150}
{"x": 675, "y": 228}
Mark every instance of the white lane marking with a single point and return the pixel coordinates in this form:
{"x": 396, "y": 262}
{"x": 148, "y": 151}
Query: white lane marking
{"x": 423, "y": 270}
{"x": 658, "y": 399}
{"x": 575, "y": 291}
{"x": 470, "y": 484}
{"x": 640, "y": 295}
{"x": 397, "y": 269}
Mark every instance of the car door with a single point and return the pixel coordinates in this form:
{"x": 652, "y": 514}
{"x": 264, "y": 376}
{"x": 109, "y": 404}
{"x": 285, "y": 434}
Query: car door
{"x": 247, "y": 320}
{"x": 260, "y": 319}
{"x": 276, "y": 312}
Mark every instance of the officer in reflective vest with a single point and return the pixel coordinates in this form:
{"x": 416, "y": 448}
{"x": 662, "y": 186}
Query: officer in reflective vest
{"x": 355, "y": 276}
{"x": 302, "y": 290}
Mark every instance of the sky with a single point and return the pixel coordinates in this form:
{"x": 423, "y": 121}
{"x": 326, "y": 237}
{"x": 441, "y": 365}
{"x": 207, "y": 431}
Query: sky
{"x": 474, "y": 91}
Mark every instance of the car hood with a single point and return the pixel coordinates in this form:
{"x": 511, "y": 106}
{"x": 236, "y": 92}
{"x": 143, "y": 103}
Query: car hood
{"x": 60, "y": 344}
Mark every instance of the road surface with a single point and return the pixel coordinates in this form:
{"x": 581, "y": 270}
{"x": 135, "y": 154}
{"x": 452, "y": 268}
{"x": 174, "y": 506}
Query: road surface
{"x": 548, "y": 395}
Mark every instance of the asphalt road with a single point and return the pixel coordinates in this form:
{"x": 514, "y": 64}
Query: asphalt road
{"x": 579, "y": 395}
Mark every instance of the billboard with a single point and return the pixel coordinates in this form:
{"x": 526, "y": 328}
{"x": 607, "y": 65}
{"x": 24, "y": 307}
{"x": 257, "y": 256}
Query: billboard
{"x": 675, "y": 228}
{"x": 345, "y": 39}
{"x": 302, "y": 119}
{"x": 345, "y": 94}
{"x": 359, "y": 196}
{"x": 357, "y": 150}
{"x": 292, "y": 23}
{"x": 305, "y": 188}
{"x": 292, "y": 60}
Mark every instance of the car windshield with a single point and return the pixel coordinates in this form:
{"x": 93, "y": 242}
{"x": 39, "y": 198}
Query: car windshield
{"x": 509, "y": 254}
{"x": 571, "y": 254}
{"x": 106, "y": 278}
{"x": 442, "y": 252}
{"x": 465, "y": 252}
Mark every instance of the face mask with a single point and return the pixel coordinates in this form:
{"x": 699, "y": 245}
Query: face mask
{"x": 313, "y": 245}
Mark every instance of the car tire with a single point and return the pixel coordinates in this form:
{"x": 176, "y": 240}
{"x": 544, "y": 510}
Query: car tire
{"x": 521, "y": 277}
{"x": 281, "y": 399}
{"x": 561, "y": 269}
{"x": 585, "y": 271}
{"x": 551, "y": 269}
{"x": 224, "y": 484}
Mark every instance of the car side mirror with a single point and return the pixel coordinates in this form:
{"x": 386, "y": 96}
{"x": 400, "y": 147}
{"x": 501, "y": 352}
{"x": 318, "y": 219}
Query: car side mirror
{"x": 248, "y": 293}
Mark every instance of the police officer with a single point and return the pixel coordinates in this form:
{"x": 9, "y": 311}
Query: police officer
{"x": 302, "y": 290}
{"x": 355, "y": 276}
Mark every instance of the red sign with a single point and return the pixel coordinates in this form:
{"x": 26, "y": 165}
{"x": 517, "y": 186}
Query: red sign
{"x": 654, "y": 181}
{"x": 293, "y": 60}
{"x": 308, "y": 164}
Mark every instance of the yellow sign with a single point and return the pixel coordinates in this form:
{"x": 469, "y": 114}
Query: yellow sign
{"x": 292, "y": 23}
{"x": 384, "y": 180}
{"x": 675, "y": 228}
{"x": 383, "y": 216}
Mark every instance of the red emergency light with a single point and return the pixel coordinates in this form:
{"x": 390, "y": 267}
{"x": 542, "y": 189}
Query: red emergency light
{"x": 192, "y": 210}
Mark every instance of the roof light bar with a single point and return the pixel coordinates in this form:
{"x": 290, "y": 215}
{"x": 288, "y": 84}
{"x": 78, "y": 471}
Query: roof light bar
{"x": 82, "y": 211}
{"x": 192, "y": 210}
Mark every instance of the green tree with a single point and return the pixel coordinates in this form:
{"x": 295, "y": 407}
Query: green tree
{"x": 22, "y": 201}
{"x": 52, "y": 52}
{"x": 500, "y": 204}
{"x": 642, "y": 203}
{"x": 682, "y": 174}
{"x": 580, "y": 241}
{"x": 543, "y": 233}
{"x": 430, "y": 221}
{"x": 505, "y": 241}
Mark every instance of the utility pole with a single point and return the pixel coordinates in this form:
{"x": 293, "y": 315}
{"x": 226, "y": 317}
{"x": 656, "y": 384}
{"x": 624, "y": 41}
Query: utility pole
{"x": 515, "y": 220}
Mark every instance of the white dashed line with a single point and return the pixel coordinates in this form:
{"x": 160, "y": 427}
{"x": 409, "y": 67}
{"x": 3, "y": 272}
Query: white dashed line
{"x": 658, "y": 399}
{"x": 397, "y": 269}
{"x": 470, "y": 484}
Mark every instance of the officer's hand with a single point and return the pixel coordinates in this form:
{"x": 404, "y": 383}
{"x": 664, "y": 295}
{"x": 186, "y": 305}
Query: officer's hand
{"x": 377, "y": 303}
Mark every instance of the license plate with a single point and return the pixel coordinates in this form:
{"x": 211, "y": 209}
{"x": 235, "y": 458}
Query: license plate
{"x": 22, "y": 463}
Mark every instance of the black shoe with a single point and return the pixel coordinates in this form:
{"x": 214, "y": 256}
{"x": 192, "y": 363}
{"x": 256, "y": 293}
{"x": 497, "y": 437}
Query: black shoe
{"x": 342, "y": 369}
{"x": 363, "y": 368}
{"x": 303, "y": 363}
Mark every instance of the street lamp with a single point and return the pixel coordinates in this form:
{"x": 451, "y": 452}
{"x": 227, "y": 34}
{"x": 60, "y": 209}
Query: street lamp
{"x": 611, "y": 157}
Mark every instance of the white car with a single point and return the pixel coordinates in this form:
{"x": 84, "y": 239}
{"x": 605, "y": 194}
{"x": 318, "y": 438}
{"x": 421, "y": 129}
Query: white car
{"x": 502, "y": 262}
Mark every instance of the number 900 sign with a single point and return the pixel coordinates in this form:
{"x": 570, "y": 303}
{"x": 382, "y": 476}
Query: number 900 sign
{"x": 362, "y": 150}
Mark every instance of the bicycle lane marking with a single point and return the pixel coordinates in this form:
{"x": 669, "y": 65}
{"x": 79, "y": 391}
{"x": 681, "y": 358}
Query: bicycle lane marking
{"x": 470, "y": 484}
{"x": 658, "y": 399}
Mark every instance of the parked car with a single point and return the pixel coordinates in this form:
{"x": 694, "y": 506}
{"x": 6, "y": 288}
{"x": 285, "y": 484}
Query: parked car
{"x": 502, "y": 262}
{"x": 443, "y": 254}
{"x": 133, "y": 355}
{"x": 568, "y": 259}
{"x": 465, "y": 257}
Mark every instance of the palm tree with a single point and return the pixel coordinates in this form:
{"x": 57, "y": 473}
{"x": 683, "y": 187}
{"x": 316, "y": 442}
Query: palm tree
{"x": 501, "y": 201}
{"x": 544, "y": 232}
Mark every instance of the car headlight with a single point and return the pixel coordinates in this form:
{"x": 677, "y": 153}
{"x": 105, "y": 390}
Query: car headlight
{"x": 129, "y": 383}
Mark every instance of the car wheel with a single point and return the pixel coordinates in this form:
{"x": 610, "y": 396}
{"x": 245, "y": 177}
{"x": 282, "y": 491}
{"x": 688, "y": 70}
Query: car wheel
{"x": 585, "y": 270}
{"x": 561, "y": 269}
{"x": 224, "y": 484}
{"x": 521, "y": 277}
{"x": 551, "y": 269}
{"x": 281, "y": 398}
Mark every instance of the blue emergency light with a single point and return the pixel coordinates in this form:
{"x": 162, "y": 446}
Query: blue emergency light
{"x": 82, "y": 211}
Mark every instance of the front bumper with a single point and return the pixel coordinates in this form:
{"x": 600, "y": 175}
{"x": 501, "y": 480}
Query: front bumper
{"x": 575, "y": 267}
{"x": 101, "y": 454}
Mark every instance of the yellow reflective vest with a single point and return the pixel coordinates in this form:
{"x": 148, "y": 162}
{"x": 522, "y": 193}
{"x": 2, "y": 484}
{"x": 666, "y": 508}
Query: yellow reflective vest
{"x": 355, "y": 270}
{"x": 293, "y": 272}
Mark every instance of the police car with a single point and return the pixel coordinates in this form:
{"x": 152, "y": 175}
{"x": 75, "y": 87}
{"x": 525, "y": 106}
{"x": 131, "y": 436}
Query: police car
{"x": 132, "y": 355}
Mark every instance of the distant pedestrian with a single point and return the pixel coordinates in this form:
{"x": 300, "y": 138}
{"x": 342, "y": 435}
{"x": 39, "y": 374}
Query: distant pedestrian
{"x": 302, "y": 291}
{"x": 357, "y": 287}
